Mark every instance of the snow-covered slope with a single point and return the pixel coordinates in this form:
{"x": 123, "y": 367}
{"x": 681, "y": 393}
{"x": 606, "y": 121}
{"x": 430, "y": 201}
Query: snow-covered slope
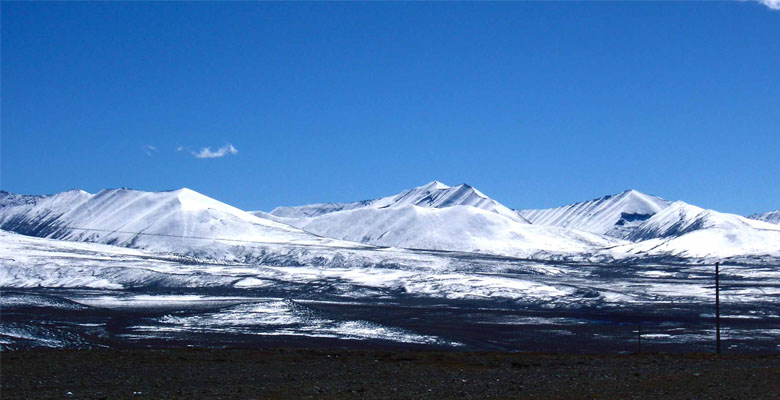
{"x": 176, "y": 221}
{"x": 458, "y": 228}
{"x": 771, "y": 217}
{"x": 36, "y": 216}
{"x": 8, "y": 199}
{"x": 681, "y": 218}
{"x": 615, "y": 215}
{"x": 688, "y": 231}
{"x": 433, "y": 195}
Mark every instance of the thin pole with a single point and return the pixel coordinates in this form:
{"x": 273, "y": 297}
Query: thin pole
{"x": 639, "y": 340}
{"x": 717, "y": 306}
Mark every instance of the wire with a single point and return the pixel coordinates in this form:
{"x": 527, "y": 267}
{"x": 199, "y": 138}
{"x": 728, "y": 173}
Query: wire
{"x": 164, "y": 235}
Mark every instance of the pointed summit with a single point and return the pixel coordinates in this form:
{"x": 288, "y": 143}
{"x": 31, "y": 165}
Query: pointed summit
{"x": 434, "y": 185}
{"x": 466, "y": 186}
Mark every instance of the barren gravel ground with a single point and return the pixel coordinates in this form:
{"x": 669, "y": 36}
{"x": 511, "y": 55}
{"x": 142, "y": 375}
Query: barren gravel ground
{"x": 337, "y": 374}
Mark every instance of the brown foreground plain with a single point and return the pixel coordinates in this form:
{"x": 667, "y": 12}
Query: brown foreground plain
{"x": 380, "y": 374}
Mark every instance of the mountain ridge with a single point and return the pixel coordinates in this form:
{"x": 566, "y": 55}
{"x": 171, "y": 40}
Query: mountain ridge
{"x": 180, "y": 220}
{"x": 431, "y": 195}
{"x": 772, "y": 217}
{"x": 611, "y": 215}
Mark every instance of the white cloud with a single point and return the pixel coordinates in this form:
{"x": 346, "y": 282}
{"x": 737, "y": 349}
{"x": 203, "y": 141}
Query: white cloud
{"x": 773, "y": 4}
{"x": 149, "y": 149}
{"x": 206, "y": 152}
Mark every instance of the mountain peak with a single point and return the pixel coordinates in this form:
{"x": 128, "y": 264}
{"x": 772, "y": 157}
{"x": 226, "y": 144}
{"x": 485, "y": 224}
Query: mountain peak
{"x": 434, "y": 185}
{"x": 631, "y": 192}
{"x": 683, "y": 206}
{"x": 187, "y": 192}
{"x": 636, "y": 194}
{"x": 466, "y": 186}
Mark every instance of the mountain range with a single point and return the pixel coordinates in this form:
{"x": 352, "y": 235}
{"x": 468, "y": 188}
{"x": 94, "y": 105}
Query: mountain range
{"x": 437, "y": 217}
{"x": 434, "y": 216}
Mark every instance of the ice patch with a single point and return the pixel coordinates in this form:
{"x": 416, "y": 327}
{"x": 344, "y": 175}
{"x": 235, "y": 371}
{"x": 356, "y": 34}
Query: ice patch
{"x": 284, "y": 317}
{"x": 252, "y": 283}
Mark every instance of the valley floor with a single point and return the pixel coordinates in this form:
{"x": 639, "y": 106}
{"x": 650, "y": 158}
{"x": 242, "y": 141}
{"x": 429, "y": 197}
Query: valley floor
{"x": 338, "y": 373}
{"x": 59, "y": 294}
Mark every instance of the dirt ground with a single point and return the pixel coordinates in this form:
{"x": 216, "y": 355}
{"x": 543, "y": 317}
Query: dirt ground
{"x": 379, "y": 374}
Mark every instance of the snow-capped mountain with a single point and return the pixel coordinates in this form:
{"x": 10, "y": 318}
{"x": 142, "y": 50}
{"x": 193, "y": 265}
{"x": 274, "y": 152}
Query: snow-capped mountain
{"x": 176, "y": 221}
{"x": 457, "y": 228}
{"x": 681, "y": 218}
{"x": 437, "y": 217}
{"x": 615, "y": 215}
{"x": 771, "y": 217}
{"x": 432, "y": 195}
{"x": 688, "y": 231}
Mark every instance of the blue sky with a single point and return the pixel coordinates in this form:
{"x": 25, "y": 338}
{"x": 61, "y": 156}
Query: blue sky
{"x": 537, "y": 104}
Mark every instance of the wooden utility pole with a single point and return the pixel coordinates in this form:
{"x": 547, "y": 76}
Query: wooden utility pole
{"x": 717, "y": 306}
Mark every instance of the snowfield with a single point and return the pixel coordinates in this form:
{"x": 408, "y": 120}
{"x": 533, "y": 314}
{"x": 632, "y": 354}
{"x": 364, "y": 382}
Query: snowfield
{"x": 304, "y": 292}
{"x": 34, "y": 262}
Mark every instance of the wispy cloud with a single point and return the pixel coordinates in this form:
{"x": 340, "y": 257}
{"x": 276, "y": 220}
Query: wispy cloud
{"x": 225, "y": 150}
{"x": 773, "y": 4}
{"x": 149, "y": 149}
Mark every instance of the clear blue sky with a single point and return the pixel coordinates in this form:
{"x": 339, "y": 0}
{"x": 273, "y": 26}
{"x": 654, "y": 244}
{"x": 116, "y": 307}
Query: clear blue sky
{"x": 537, "y": 104}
